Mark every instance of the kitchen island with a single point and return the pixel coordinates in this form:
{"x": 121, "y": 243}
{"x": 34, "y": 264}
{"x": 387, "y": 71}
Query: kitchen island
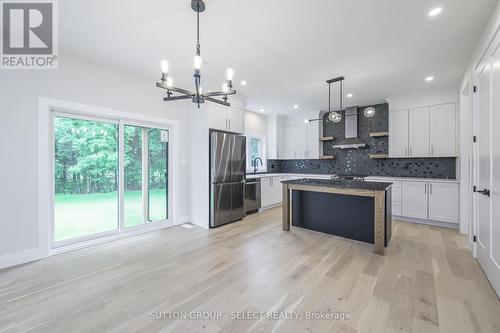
{"x": 356, "y": 210}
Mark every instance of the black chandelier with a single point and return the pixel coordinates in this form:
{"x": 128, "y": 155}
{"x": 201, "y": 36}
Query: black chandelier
{"x": 198, "y": 97}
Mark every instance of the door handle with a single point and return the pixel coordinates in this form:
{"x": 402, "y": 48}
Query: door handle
{"x": 485, "y": 192}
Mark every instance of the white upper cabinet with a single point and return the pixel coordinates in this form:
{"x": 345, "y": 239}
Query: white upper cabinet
{"x": 443, "y": 202}
{"x": 300, "y": 140}
{"x": 290, "y": 142}
{"x": 225, "y": 118}
{"x": 301, "y": 146}
{"x": 418, "y": 132}
{"x": 398, "y": 133}
{"x": 423, "y": 132}
{"x": 312, "y": 148}
{"x": 443, "y": 130}
{"x": 236, "y": 120}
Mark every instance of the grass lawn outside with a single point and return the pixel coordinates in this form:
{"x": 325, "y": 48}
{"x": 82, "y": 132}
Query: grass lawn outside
{"x": 78, "y": 215}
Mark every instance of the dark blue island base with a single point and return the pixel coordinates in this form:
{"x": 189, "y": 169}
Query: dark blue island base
{"x": 356, "y": 210}
{"x": 347, "y": 216}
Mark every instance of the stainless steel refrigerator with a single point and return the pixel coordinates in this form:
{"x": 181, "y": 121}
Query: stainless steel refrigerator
{"x": 227, "y": 177}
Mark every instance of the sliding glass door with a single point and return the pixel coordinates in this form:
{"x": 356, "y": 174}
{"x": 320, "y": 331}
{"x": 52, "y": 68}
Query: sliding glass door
{"x": 85, "y": 178}
{"x": 158, "y": 175}
{"x": 87, "y": 160}
{"x": 146, "y": 175}
{"x": 133, "y": 193}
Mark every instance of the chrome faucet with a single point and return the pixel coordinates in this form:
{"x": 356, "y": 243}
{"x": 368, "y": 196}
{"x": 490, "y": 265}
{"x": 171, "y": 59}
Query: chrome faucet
{"x": 254, "y": 163}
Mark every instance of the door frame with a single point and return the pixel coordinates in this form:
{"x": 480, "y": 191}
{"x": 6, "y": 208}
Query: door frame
{"x": 47, "y": 108}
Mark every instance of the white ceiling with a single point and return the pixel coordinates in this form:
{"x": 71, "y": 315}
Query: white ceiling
{"x": 285, "y": 49}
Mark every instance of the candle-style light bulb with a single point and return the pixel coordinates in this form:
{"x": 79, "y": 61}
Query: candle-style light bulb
{"x": 229, "y": 74}
{"x": 200, "y": 90}
{"x": 225, "y": 88}
{"x": 164, "y": 66}
{"x": 197, "y": 60}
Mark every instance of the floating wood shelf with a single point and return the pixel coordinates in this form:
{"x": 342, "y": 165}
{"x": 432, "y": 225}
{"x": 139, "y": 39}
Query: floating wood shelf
{"x": 327, "y": 157}
{"x": 379, "y": 156}
{"x": 379, "y": 134}
{"x": 326, "y": 138}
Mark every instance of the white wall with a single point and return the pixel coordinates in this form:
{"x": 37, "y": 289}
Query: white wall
{"x": 77, "y": 81}
{"x": 255, "y": 123}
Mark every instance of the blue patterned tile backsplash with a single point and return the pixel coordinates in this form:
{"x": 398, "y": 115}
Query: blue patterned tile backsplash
{"x": 357, "y": 161}
{"x": 394, "y": 167}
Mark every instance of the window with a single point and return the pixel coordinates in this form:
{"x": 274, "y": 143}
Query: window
{"x": 85, "y": 178}
{"x": 89, "y": 201}
{"x": 256, "y": 148}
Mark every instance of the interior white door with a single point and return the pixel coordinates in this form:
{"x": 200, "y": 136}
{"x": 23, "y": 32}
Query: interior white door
{"x": 414, "y": 199}
{"x": 443, "y": 202}
{"x": 418, "y": 132}
{"x": 487, "y": 214}
{"x": 398, "y": 133}
{"x": 495, "y": 175}
{"x": 443, "y": 130}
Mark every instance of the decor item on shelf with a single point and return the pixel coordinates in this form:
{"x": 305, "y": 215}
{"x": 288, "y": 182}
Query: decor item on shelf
{"x": 198, "y": 97}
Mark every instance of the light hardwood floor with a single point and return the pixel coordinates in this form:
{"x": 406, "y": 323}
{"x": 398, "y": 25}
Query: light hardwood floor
{"x": 426, "y": 282}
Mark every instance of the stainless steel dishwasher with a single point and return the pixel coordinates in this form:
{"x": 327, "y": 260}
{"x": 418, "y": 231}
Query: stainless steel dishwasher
{"x": 252, "y": 195}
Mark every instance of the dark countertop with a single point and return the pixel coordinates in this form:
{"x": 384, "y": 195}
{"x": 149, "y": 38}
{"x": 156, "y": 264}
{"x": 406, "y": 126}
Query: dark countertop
{"x": 350, "y": 184}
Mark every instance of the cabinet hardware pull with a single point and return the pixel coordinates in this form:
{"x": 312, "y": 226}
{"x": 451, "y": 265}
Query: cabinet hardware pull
{"x": 432, "y": 150}
{"x": 425, "y": 188}
{"x": 430, "y": 188}
{"x": 406, "y": 151}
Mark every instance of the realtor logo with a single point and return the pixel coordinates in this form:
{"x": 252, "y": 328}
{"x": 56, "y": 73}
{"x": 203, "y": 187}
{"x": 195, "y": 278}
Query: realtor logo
{"x": 29, "y": 34}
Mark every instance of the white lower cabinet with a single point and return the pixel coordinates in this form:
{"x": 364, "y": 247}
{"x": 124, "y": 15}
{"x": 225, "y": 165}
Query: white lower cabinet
{"x": 435, "y": 201}
{"x": 271, "y": 191}
{"x": 443, "y": 202}
{"x": 414, "y": 199}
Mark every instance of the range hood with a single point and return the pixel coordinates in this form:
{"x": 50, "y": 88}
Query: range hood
{"x": 351, "y": 140}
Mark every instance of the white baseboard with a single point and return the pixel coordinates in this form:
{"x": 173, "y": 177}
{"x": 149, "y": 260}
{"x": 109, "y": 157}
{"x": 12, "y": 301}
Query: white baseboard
{"x": 19, "y": 258}
{"x": 427, "y": 222}
{"x": 269, "y": 207}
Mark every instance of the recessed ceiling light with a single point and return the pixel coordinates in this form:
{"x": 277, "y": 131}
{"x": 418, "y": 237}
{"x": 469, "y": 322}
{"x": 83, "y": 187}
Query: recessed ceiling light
{"x": 429, "y": 78}
{"x": 261, "y": 110}
{"x": 243, "y": 83}
{"x": 349, "y": 95}
{"x": 436, "y": 11}
{"x": 295, "y": 106}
